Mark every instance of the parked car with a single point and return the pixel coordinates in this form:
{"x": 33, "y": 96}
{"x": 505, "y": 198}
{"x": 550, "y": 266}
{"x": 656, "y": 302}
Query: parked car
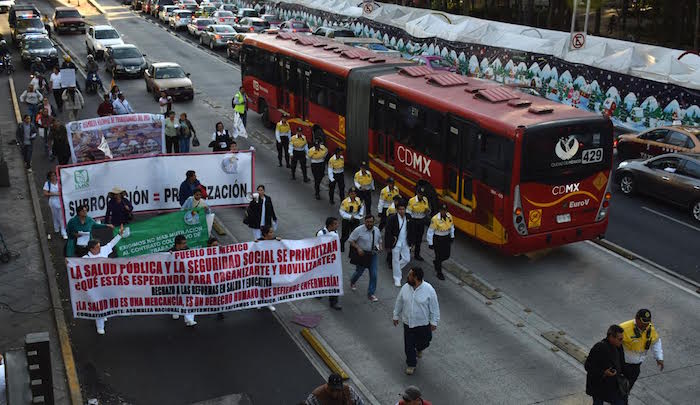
{"x": 99, "y": 37}
{"x": 24, "y": 26}
{"x": 657, "y": 141}
{"x": 437, "y": 63}
{"x": 216, "y": 35}
{"x": 246, "y": 12}
{"x": 165, "y": 13}
{"x": 224, "y": 17}
{"x": 294, "y": 26}
{"x": 125, "y": 60}
{"x": 234, "y": 46}
{"x": 22, "y": 11}
{"x": 251, "y": 24}
{"x": 274, "y": 21}
{"x": 180, "y": 18}
{"x": 205, "y": 10}
{"x": 39, "y": 47}
{"x": 671, "y": 177}
{"x": 68, "y": 19}
{"x": 334, "y": 32}
{"x": 170, "y": 78}
{"x": 197, "y": 25}
{"x": 158, "y": 4}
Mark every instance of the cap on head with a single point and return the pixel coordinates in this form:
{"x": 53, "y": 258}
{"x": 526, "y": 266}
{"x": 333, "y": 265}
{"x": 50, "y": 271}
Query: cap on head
{"x": 644, "y": 315}
{"x": 411, "y": 393}
{"x": 335, "y": 382}
{"x": 364, "y": 165}
{"x": 421, "y": 190}
{"x": 352, "y": 189}
{"x": 390, "y": 180}
{"x": 443, "y": 207}
{"x": 66, "y": 58}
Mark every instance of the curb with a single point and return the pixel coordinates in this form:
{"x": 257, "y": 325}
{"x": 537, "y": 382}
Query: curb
{"x": 97, "y": 6}
{"x": 76, "y": 395}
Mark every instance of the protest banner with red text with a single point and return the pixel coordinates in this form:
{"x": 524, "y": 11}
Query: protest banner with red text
{"x": 206, "y": 280}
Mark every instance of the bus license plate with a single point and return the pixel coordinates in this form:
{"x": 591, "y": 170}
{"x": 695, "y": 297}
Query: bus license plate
{"x": 563, "y": 218}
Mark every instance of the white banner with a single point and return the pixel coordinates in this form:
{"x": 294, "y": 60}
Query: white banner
{"x": 116, "y": 136}
{"x": 153, "y": 183}
{"x": 207, "y": 280}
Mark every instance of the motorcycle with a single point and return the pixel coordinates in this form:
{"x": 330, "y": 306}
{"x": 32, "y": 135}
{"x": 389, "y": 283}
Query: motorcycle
{"x": 92, "y": 83}
{"x": 6, "y": 64}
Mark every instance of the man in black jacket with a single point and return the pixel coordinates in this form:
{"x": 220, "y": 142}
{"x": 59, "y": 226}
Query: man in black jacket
{"x": 604, "y": 381}
{"x": 260, "y": 212}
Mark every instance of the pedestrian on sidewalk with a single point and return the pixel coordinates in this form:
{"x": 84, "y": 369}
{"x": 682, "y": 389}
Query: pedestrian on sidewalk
{"x": 60, "y": 147}
{"x": 26, "y": 134}
{"x": 331, "y": 227}
{"x": 221, "y": 139}
{"x": 121, "y": 106}
{"x": 79, "y": 226}
{"x": 73, "y": 102}
{"x": 334, "y": 392}
{"x": 32, "y": 100}
{"x": 188, "y": 186}
{"x": 95, "y": 250}
{"x": 418, "y": 210}
{"x": 317, "y": 154}
{"x": 119, "y": 208}
{"x": 412, "y": 396}
{"x": 172, "y": 142}
{"x": 260, "y": 212}
{"x": 196, "y": 201}
{"x": 351, "y": 211}
{"x": 185, "y": 133}
{"x": 386, "y": 198}
{"x": 365, "y": 185}
{"x": 639, "y": 336}
{"x": 105, "y": 108}
{"x": 336, "y": 175}
{"x": 298, "y": 148}
{"x": 418, "y": 308}
{"x": 180, "y": 243}
{"x": 441, "y": 235}
{"x": 282, "y": 134}
{"x": 52, "y": 193}
{"x": 56, "y": 87}
{"x": 365, "y": 244}
{"x": 605, "y": 379}
{"x": 396, "y": 241}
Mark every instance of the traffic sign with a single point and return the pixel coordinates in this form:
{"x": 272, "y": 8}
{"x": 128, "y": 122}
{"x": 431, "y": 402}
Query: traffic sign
{"x": 578, "y": 40}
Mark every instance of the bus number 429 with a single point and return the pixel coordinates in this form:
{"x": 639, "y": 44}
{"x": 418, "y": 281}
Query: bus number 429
{"x": 592, "y": 156}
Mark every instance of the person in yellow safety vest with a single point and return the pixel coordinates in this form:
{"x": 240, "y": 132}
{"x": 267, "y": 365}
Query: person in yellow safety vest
{"x": 317, "y": 154}
{"x": 336, "y": 175}
{"x": 298, "y": 148}
{"x": 418, "y": 210}
{"x": 239, "y": 104}
{"x": 365, "y": 185}
{"x": 386, "y": 198}
{"x": 351, "y": 210}
{"x": 638, "y": 337}
{"x": 441, "y": 234}
{"x": 282, "y": 135}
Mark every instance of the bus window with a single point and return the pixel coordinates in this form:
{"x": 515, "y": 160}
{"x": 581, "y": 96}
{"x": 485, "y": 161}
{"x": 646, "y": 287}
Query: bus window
{"x": 328, "y": 91}
{"x": 421, "y": 129}
{"x": 495, "y": 158}
{"x": 261, "y": 64}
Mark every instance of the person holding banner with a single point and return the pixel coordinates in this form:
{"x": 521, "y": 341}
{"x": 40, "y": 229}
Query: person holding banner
{"x": 79, "y": 230}
{"x": 105, "y": 108}
{"x": 331, "y": 227}
{"x": 96, "y": 250}
{"x": 121, "y": 106}
{"x": 267, "y": 232}
{"x": 188, "y": 186}
{"x": 260, "y": 213}
{"x": 60, "y": 146}
{"x": 119, "y": 209}
{"x": 196, "y": 201}
{"x": 365, "y": 244}
{"x": 180, "y": 243}
{"x": 220, "y": 139}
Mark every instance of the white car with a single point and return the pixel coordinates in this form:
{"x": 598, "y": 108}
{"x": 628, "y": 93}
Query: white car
{"x": 99, "y": 37}
{"x": 180, "y": 19}
{"x": 224, "y": 17}
{"x": 197, "y": 25}
{"x": 165, "y": 12}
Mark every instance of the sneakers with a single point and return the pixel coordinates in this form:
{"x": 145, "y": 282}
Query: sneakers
{"x": 190, "y": 322}
{"x": 419, "y": 353}
{"x": 65, "y": 237}
{"x": 373, "y": 298}
{"x": 410, "y": 370}
{"x": 271, "y": 308}
{"x": 48, "y": 236}
{"x": 353, "y": 287}
{"x": 397, "y": 284}
{"x": 100, "y": 331}
{"x": 176, "y": 316}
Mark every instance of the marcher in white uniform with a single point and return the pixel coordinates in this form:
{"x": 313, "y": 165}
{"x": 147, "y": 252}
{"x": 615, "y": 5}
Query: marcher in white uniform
{"x": 96, "y": 250}
{"x": 51, "y": 192}
{"x": 397, "y": 240}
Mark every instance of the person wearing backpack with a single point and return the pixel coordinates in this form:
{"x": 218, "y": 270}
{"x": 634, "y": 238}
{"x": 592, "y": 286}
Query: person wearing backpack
{"x": 331, "y": 227}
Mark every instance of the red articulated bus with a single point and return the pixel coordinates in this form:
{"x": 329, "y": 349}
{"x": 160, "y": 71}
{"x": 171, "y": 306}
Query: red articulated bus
{"x": 518, "y": 172}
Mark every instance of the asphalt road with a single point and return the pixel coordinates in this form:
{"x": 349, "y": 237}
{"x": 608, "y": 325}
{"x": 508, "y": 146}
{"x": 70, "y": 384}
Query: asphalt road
{"x": 480, "y": 353}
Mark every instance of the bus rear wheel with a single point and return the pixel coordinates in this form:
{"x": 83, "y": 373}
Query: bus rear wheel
{"x": 265, "y": 115}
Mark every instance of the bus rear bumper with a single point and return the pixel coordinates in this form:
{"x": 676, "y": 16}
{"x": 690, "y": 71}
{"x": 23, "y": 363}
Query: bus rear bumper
{"x": 552, "y": 239}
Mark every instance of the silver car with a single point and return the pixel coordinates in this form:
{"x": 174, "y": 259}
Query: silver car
{"x": 180, "y": 19}
{"x": 217, "y": 35}
{"x": 165, "y": 12}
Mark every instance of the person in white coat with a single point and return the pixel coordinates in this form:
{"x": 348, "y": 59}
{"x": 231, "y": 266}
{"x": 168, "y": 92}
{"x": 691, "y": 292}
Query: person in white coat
{"x": 95, "y": 250}
{"x": 396, "y": 240}
{"x": 51, "y": 192}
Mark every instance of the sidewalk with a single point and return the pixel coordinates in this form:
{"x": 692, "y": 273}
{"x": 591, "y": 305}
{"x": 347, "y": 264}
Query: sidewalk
{"x": 25, "y": 304}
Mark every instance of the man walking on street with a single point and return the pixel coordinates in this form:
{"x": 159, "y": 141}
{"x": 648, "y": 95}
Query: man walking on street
{"x": 418, "y": 210}
{"x": 239, "y": 104}
{"x": 417, "y": 307}
{"x": 26, "y": 134}
{"x": 396, "y": 241}
{"x": 331, "y": 227}
{"x": 365, "y": 185}
{"x": 32, "y": 99}
{"x": 604, "y": 369}
{"x": 386, "y": 197}
{"x": 352, "y": 211}
{"x": 317, "y": 154}
{"x": 640, "y": 335}
{"x": 335, "y": 392}
{"x": 282, "y": 134}
{"x": 336, "y": 175}
{"x": 365, "y": 244}
{"x": 298, "y": 147}
{"x": 441, "y": 234}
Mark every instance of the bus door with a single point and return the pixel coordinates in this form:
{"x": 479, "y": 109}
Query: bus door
{"x": 461, "y": 162}
{"x": 303, "y": 91}
{"x": 288, "y": 67}
{"x": 385, "y": 123}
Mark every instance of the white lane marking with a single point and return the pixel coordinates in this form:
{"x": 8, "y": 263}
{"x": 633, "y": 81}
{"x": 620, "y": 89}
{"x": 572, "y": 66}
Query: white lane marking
{"x": 678, "y": 221}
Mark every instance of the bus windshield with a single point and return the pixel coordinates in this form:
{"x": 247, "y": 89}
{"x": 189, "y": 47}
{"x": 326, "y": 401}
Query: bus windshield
{"x": 569, "y": 152}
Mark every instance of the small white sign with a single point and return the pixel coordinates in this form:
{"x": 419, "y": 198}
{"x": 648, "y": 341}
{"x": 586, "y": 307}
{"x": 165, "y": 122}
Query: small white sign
{"x": 67, "y": 78}
{"x": 578, "y": 40}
